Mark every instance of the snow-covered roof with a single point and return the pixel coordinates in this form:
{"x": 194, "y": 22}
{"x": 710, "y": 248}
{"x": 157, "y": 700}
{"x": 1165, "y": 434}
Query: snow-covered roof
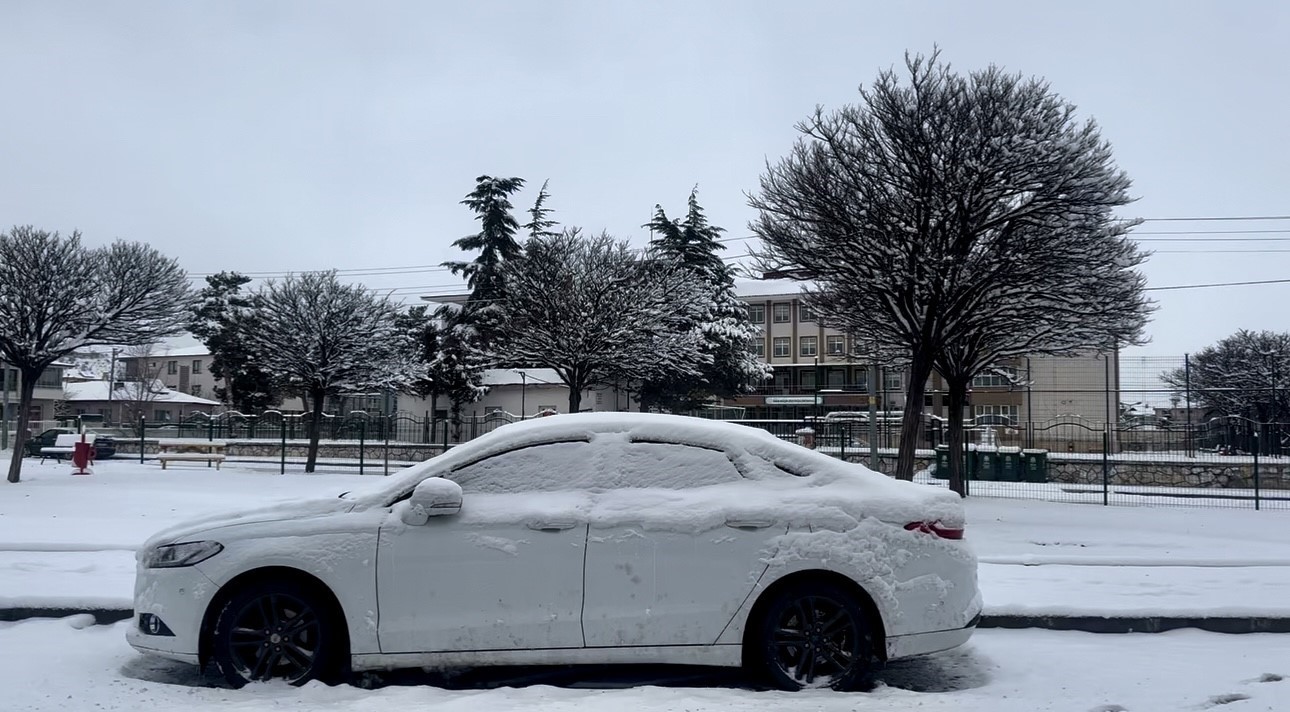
{"x": 98, "y": 391}
{"x": 511, "y": 377}
{"x": 163, "y": 351}
{"x": 768, "y": 288}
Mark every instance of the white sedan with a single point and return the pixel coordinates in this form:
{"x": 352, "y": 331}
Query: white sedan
{"x": 591, "y": 538}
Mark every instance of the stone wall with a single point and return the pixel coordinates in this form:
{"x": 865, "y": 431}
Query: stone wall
{"x": 1143, "y": 472}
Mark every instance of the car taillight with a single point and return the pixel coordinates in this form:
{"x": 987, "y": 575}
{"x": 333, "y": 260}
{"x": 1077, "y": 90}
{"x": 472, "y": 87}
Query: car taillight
{"x": 935, "y": 529}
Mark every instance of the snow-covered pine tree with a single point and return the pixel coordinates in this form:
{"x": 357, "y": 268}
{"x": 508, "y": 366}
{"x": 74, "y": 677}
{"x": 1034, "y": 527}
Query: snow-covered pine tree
{"x": 224, "y": 315}
{"x": 496, "y": 244}
{"x": 947, "y": 214}
{"x": 58, "y": 296}
{"x": 321, "y": 338}
{"x": 439, "y": 366}
{"x": 598, "y": 313}
{"x": 731, "y": 368}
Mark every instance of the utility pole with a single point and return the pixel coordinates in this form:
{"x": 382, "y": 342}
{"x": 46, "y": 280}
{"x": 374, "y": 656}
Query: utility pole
{"x": 112, "y": 384}
{"x": 4, "y": 430}
{"x": 524, "y": 384}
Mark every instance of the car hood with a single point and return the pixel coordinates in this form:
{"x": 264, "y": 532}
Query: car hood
{"x": 288, "y": 510}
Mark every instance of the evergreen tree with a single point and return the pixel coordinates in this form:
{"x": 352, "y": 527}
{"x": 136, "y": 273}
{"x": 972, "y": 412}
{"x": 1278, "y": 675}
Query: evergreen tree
{"x": 730, "y": 369}
{"x": 539, "y": 225}
{"x": 439, "y": 367}
{"x": 495, "y": 242}
{"x": 223, "y": 317}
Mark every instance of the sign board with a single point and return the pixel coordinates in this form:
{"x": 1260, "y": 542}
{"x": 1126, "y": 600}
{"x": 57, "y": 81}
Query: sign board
{"x": 793, "y": 400}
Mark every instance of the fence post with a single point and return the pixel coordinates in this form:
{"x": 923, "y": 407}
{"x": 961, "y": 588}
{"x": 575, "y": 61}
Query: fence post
{"x": 362, "y": 443}
{"x": 1256, "y": 470}
{"x": 474, "y": 424}
{"x": 283, "y": 429}
{"x": 143, "y": 422}
{"x": 425, "y": 429}
{"x": 843, "y": 432}
{"x": 389, "y": 425}
{"x": 210, "y": 428}
{"x": 445, "y": 436}
{"x": 1106, "y": 466}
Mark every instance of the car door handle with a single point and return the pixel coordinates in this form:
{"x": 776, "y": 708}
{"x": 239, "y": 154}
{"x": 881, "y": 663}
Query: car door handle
{"x": 748, "y": 523}
{"x": 551, "y": 526}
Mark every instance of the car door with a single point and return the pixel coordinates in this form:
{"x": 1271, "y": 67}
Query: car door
{"x": 505, "y": 573}
{"x": 651, "y": 585}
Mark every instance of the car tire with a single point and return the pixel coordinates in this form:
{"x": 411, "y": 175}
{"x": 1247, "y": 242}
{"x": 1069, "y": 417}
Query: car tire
{"x": 814, "y": 634}
{"x": 276, "y": 630}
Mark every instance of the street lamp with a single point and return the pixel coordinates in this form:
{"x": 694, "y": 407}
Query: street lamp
{"x": 524, "y": 385}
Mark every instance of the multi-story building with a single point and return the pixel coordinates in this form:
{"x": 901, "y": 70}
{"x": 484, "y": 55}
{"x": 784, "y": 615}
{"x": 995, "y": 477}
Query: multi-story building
{"x": 819, "y": 369}
{"x": 48, "y": 393}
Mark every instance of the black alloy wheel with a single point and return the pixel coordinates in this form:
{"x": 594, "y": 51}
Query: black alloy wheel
{"x": 816, "y": 635}
{"x": 274, "y": 631}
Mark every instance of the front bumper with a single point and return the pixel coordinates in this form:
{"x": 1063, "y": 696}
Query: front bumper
{"x": 179, "y": 597}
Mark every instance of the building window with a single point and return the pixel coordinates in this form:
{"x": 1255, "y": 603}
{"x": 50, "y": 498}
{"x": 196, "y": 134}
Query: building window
{"x": 757, "y": 313}
{"x": 50, "y": 378}
{"x": 780, "y": 346}
{"x": 837, "y": 377}
{"x": 161, "y": 416}
{"x": 996, "y": 376}
{"x": 781, "y": 312}
{"x": 892, "y": 380}
{"x": 807, "y": 378}
{"x": 758, "y": 347}
{"x": 783, "y": 379}
{"x": 836, "y": 345}
{"x": 197, "y": 366}
{"x": 197, "y": 390}
{"x": 172, "y": 367}
{"x": 805, "y": 312}
{"x": 806, "y": 345}
{"x": 996, "y": 414}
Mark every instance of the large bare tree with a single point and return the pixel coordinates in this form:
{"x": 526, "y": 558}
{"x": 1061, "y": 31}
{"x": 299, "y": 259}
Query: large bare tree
{"x": 960, "y": 219}
{"x": 321, "y": 338}
{"x": 599, "y": 313}
{"x": 58, "y": 296}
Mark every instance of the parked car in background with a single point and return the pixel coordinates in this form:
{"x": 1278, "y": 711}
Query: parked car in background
{"x": 104, "y": 445}
{"x": 572, "y": 539}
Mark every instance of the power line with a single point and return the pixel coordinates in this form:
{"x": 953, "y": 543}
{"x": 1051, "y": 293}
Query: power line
{"x": 1218, "y": 284}
{"x": 1223, "y": 218}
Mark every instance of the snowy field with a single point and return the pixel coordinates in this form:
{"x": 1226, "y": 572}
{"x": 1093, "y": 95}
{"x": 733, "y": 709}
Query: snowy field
{"x": 68, "y": 541}
{"x": 61, "y": 665}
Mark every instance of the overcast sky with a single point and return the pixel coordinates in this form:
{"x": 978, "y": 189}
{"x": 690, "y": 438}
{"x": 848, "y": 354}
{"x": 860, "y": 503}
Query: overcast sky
{"x": 268, "y": 137}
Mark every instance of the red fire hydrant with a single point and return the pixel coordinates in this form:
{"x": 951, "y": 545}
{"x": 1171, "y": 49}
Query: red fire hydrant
{"x": 82, "y": 457}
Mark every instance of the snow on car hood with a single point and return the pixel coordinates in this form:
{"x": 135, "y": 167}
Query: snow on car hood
{"x": 285, "y": 510}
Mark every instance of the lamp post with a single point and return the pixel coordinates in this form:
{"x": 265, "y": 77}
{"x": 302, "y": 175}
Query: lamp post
{"x": 524, "y": 386}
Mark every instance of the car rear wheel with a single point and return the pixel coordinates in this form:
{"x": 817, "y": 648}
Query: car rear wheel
{"x": 815, "y": 635}
{"x": 275, "y": 631}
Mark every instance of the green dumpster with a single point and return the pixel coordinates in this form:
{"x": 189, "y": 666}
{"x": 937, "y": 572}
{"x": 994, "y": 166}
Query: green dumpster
{"x": 1010, "y": 464}
{"x": 942, "y": 462}
{"x": 1036, "y": 465}
{"x": 987, "y": 464}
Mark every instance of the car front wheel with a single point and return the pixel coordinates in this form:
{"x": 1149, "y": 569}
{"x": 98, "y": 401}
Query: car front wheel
{"x": 275, "y": 631}
{"x": 815, "y": 635}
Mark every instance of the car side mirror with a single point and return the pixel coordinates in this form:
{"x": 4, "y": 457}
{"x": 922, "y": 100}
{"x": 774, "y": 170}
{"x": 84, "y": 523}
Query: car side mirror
{"x": 433, "y": 497}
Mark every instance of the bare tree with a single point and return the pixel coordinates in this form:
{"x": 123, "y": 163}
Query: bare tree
{"x": 1245, "y": 374}
{"x": 598, "y": 313}
{"x": 322, "y": 338}
{"x": 142, "y": 386}
{"x": 961, "y": 219}
{"x": 57, "y": 296}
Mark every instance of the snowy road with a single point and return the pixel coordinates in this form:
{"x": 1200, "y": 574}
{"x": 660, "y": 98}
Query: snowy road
{"x": 56, "y": 666}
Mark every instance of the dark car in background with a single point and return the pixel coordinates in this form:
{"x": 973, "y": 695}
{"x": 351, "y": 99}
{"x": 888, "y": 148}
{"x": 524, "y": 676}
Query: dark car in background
{"x": 104, "y": 445}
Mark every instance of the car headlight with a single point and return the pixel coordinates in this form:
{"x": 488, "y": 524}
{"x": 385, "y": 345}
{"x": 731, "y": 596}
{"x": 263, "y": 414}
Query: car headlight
{"x": 187, "y": 553}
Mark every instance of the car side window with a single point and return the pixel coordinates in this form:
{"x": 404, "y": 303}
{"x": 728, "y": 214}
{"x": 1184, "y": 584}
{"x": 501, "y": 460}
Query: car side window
{"x": 666, "y": 465}
{"x": 539, "y": 468}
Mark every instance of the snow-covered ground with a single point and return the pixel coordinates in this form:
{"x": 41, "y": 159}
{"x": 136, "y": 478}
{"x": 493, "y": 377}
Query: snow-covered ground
{"x": 51, "y": 665}
{"x": 68, "y": 541}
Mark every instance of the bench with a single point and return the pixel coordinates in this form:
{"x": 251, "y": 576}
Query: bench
{"x": 209, "y": 451}
{"x": 65, "y": 444}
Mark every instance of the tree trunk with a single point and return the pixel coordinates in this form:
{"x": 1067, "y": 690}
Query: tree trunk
{"x": 315, "y": 430}
{"x": 911, "y": 423}
{"x": 954, "y": 435}
{"x": 575, "y": 399}
{"x": 26, "y": 391}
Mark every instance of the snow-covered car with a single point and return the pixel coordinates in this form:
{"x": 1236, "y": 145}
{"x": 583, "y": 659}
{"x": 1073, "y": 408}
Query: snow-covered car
{"x": 589, "y": 538}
